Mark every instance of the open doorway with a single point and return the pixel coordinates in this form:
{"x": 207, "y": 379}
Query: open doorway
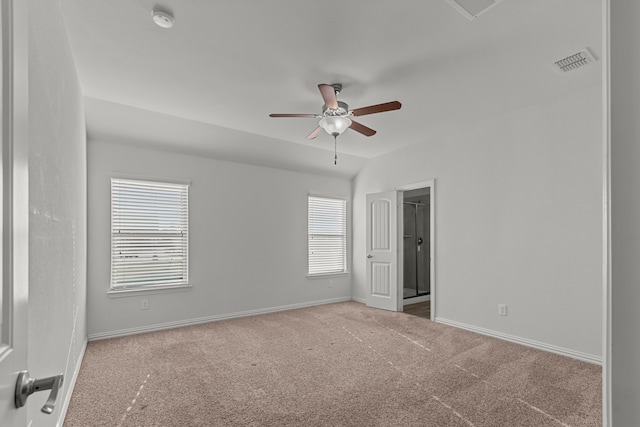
{"x": 416, "y": 246}
{"x": 385, "y": 250}
{"x": 415, "y": 212}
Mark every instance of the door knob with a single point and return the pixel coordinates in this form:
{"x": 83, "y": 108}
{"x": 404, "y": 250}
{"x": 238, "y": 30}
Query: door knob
{"x": 369, "y": 256}
{"x": 26, "y": 386}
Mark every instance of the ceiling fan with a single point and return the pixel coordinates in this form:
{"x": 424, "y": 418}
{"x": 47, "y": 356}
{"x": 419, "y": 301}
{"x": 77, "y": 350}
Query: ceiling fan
{"x": 336, "y": 116}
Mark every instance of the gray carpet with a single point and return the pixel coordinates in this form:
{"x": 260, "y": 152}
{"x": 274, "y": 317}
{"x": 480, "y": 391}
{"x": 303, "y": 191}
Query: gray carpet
{"x": 333, "y": 365}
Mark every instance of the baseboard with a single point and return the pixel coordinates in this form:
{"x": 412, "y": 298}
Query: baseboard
{"x": 207, "y": 319}
{"x": 64, "y": 407}
{"x": 524, "y": 341}
{"x": 416, "y": 300}
{"x": 407, "y": 301}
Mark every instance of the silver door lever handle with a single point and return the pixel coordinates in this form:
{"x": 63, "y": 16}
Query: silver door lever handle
{"x": 26, "y": 386}
{"x": 369, "y": 256}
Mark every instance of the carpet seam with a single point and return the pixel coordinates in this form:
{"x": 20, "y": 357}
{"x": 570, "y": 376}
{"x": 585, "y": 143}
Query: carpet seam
{"x": 497, "y": 389}
{"x": 133, "y": 402}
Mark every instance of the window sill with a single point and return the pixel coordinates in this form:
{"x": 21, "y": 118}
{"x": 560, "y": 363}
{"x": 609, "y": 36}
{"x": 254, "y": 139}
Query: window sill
{"x": 120, "y": 293}
{"x": 327, "y": 275}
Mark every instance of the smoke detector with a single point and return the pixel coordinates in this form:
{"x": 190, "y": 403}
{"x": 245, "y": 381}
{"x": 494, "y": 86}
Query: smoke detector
{"x": 574, "y": 61}
{"x": 471, "y": 9}
{"x": 163, "y": 19}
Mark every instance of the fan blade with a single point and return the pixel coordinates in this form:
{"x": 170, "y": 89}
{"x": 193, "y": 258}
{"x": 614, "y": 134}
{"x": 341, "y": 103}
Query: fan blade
{"x": 311, "y": 116}
{"x": 359, "y": 127}
{"x": 315, "y": 133}
{"x": 328, "y": 93}
{"x": 379, "y": 108}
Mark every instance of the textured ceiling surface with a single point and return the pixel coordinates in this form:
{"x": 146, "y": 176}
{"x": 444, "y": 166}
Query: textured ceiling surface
{"x": 207, "y": 85}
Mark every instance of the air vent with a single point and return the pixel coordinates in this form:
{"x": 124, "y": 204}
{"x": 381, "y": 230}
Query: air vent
{"x": 575, "y": 61}
{"x": 471, "y": 9}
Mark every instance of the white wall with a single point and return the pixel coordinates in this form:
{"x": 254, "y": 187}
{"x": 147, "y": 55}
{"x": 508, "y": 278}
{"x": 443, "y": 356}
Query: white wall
{"x": 247, "y": 243}
{"x": 517, "y": 221}
{"x": 625, "y": 212}
{"x": 57, "y": 208}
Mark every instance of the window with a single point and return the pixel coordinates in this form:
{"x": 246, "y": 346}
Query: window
{"x": 149, "y": 234}
{"x": 327, "y": 235}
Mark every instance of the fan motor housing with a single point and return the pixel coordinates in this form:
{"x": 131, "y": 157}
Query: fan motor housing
{"x": 342, "y": 110}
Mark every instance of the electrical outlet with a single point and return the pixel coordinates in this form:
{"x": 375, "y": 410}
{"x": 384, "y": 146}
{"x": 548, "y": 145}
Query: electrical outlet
{"x": 502, "y": 309}
{"x": 144, "y": 304}
{"x": 331, "y": 283}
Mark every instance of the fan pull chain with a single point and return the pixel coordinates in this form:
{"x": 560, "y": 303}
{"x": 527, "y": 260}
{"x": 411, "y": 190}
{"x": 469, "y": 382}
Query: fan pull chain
{"x": 335, "y": 150}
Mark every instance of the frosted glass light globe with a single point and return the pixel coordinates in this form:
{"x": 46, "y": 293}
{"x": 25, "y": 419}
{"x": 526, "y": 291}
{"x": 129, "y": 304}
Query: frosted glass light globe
{"x": 335, "y": 125}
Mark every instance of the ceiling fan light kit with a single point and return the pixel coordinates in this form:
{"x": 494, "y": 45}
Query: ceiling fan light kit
{"x": 335, "y": 125}
{"x": 335, "y": 117}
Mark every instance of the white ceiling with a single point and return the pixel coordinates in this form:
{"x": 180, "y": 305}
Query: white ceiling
{"x": 207, "y": 85}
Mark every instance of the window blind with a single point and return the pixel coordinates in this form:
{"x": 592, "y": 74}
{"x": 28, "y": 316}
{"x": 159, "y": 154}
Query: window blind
{"x": 149, "y": 234}
{"x": 327, "y": 235}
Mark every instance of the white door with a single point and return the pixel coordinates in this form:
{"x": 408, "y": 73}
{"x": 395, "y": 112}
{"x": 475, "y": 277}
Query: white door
{"x": 14, "y": 208}
{"x": 382, "y": 253}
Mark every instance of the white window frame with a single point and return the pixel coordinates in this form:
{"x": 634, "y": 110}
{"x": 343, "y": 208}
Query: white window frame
{"x": 174, "y": 238}
{"x": 314, "y": 267}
